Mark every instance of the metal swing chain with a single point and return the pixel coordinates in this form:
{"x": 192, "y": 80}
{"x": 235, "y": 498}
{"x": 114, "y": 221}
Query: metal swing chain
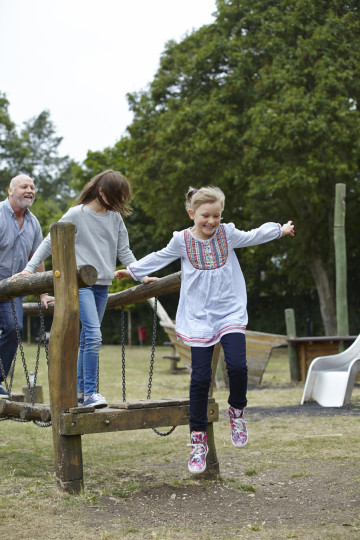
{"x": 9, "y": 386}
{"x": 152, "y": 357}
{"x": 42, "y": 335}
{"x": 18, "y": 335}
{"x": 41, "y": 338}
{"x": 151, "y": 371}
{"x": 122, "y": 327}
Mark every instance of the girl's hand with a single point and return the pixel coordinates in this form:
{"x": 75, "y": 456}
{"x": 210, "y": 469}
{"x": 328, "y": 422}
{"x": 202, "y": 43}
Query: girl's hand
{"x": 23, "y": 273}
{"x": 120, "y": 274}
{"x": 45, "y": 299}
{"x": 150, "y": 279}
{"x": 288, "y": 228}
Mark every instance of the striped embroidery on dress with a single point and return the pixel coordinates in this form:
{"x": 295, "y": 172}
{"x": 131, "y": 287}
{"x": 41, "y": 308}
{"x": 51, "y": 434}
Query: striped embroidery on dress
{"x": 239, "y": 328}
{"x": 207, "y": 254}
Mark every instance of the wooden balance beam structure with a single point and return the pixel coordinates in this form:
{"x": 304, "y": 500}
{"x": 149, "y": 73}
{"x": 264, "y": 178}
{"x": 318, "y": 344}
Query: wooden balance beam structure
{"x": 70, "y": 422}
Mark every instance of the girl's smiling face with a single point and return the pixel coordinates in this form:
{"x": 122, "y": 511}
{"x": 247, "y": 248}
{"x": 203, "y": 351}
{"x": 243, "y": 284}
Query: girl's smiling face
{"x": 206, "y": 218}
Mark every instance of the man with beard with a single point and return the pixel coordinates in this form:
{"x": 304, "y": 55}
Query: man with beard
{"x": 20, "y": 236}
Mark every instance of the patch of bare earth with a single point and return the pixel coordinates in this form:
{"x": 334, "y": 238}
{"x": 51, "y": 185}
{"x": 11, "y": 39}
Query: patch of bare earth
{"x": 326, "y": 496}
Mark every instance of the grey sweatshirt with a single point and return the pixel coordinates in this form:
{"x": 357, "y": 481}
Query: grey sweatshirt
{"x": 99, "y": 239}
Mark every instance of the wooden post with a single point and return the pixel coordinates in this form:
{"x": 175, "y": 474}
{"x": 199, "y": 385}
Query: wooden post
{"x": 129, "y": 329}
{"x": 340, "y": 262}
{"x": 291, "y": 333}
{"x": 63, "y": 351}
{"x": 28, "y": 323}
{"x": 212, "y": 465}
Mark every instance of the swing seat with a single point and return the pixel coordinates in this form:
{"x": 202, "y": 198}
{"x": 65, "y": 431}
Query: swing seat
{"x": 142, "y": 414}
{"x": 330, "y": 379}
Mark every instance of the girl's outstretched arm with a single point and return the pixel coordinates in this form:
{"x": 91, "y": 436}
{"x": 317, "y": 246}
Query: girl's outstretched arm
{"x": 288, "y": 228}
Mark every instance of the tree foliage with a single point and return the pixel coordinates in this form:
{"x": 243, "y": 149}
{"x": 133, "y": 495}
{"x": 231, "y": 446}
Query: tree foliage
{"x": 264, "y": 104}
{"x": 34, "y": 150}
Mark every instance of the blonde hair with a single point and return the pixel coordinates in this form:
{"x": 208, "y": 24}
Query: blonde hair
{"x": 209, "y": 194}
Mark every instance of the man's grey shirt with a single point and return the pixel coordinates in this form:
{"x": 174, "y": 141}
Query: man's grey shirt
{"x": 16, "y": 245}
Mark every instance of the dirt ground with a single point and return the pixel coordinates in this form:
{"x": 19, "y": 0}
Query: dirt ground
{"x": 326, "y": 495}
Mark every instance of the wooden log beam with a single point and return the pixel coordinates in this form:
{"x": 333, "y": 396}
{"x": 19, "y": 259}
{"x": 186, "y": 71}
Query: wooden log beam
{"x": 138, "y": 293}
{"x": 26, "y": 411}
{"x": 31, "y": 309}
{"x": 41, "y": 282}
{"x": 154, "y": 415}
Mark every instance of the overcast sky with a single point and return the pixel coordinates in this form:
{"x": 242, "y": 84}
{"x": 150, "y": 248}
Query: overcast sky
{"x": 79, "y": 58}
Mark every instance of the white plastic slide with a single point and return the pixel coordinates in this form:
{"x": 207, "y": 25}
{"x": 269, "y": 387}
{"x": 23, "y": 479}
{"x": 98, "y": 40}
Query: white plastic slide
{"x": 330, "y": 379}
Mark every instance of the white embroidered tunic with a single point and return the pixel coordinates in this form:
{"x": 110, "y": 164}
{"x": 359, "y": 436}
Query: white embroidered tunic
{"x": 213, "y": 293}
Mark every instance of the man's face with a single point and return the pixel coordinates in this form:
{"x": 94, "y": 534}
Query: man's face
{"x": 23, "y": 192}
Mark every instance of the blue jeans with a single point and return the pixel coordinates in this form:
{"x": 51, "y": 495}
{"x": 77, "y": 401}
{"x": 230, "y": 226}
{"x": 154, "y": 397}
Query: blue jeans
{"x": 234, "y": 347}
{"x": 8, "y": 337}
{"x": 92, "y": 304}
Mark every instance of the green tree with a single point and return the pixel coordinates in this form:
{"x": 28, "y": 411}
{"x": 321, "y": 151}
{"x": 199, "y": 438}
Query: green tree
{"x": 9, "y": 144}
{"x": 264, "y": 104}
{"x": 51, "y": 172}
{"x": 34, "y": 151}
{"x": 96, "y": 162}
{"x": 304, "y": 125}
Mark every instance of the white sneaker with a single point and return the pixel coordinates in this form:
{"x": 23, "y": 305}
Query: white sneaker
{"x": 95, "y": 400}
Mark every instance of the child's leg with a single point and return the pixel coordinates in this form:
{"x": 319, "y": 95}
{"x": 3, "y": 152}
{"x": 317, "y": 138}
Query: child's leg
{"x": 235, "y": 358}
{"x": 199, "y": 391}
{"x": 92, "y": 303}
{"x": 80, "y": 368}
{"x": 234, "y": 347}
{"x": 199, "y": 386}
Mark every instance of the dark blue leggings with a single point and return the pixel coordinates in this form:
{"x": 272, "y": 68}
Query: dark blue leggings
{"x": 234, "y": 347}
{"x": 8, "y": 337}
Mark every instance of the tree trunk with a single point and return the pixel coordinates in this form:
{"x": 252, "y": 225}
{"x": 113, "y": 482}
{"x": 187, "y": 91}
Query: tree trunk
{"x": 325, "y": 293}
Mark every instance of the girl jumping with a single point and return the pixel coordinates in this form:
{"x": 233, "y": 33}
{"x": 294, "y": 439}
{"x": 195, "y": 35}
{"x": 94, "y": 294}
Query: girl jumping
{"x": 212, "y": 306}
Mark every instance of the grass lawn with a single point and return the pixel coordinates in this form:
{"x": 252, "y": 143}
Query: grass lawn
{"x": 297, "y": 478}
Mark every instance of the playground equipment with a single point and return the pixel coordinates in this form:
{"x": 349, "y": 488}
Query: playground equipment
{"x": 330, "y": 379}
{"x": 32, "y": 392}
{"x": 70, "y": 422}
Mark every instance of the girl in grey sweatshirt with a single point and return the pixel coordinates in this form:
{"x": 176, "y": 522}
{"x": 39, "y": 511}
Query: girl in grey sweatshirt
{"x": 100, "y": 238}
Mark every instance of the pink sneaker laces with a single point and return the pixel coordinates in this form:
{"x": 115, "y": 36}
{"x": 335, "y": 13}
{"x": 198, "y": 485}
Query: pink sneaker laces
{"x": 197, "y": 461}
{"x": 239, "y": 434}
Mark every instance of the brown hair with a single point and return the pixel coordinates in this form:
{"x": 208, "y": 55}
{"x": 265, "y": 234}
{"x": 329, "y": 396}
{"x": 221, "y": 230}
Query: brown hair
{"x": 210, "y": 194}
{"x": 115, "y": 188}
